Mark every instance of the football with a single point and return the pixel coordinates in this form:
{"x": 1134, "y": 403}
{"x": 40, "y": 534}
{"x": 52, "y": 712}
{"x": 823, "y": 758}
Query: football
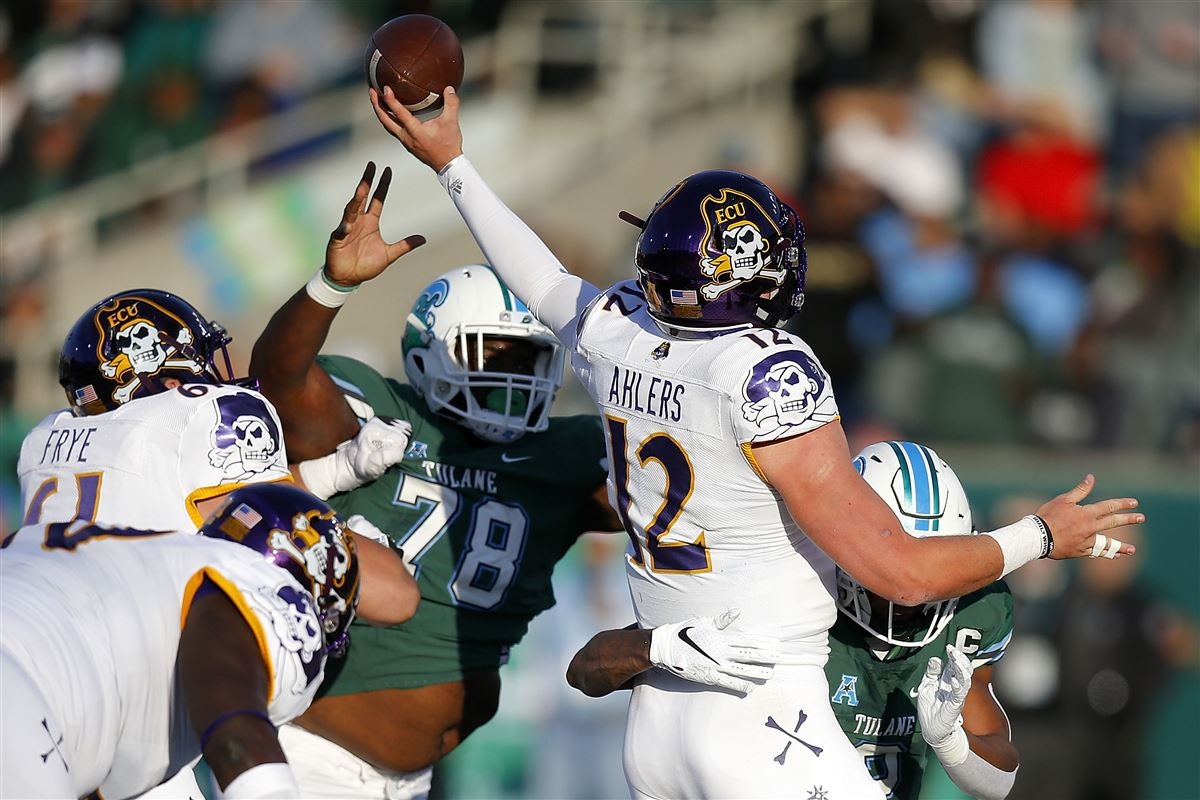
{"x": 418, "y": 56}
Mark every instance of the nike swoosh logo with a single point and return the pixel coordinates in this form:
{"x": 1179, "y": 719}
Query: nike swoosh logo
{"x": 507, "y": 459}
{"x": 914, "y": 691}
{"x": 683, "y": 634}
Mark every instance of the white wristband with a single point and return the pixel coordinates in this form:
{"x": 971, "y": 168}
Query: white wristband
{"x": 273, "y": 781}
{"x": 326, "y": 292}
{"x": 1026, "y": 540}
{"x": 320, "y": 475}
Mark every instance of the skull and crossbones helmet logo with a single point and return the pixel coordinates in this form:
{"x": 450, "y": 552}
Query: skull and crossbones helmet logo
{"x": 737, "y": 243}
{"x": 138, "y": 339}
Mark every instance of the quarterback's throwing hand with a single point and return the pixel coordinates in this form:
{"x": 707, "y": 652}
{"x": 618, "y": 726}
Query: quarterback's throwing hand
{"x": 940, "y": 698}
{"x": 702, "y": 650}
{"x": 435, "y": 142}
{"x": 357, "y": 251}
{"x": 1078, "y": 530}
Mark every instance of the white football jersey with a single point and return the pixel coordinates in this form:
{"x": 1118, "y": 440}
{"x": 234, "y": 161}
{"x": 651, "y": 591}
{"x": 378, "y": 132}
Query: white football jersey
{"x": 709, "y": 533}
{"x": 94, "y": 615}
{"x": 147, "y": 463}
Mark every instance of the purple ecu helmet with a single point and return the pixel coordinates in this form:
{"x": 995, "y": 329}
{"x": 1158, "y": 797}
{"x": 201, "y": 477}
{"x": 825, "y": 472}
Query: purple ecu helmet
{"x": 720, "y": 252}
{"x": 129, "y": 344}
{"x": 301, "y": 534}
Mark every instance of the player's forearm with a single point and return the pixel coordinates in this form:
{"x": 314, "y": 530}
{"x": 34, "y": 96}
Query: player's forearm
{"x": 287, "y": 348}
{"x": 312, "y": 409}
{"x": 389, "y": 593}
{"x": 994, "y": 748}
{"x": 240, "y": 744}
{"x": 610, "y": 661}
{"x": 523, "y": 260}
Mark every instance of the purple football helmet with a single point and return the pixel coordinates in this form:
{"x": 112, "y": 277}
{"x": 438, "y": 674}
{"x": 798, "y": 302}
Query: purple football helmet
{"x": 300, "y": 533}
{"x": 127, "y": 345}
{"x": 720, "y": 252}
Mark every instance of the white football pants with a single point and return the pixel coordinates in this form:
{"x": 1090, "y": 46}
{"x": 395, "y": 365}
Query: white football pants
{"x": 781, "y": 740}
{"x": 33, "y": 758}
{"x": 326, "y": 770}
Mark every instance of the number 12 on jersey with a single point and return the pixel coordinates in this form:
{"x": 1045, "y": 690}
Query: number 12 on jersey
{"x": 669, "y": 557}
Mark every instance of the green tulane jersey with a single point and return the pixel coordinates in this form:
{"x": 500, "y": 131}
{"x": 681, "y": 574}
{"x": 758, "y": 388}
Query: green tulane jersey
{"x": 875, "y": 699}
{"x": 483, "y": 524}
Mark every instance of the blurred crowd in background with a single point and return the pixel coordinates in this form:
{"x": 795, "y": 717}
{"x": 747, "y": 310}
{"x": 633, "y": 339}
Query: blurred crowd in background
{"x": 94, "y": 86}
{"x": 1002, "y": 204}
{"x": 1005, "y": 198}
{"x": 1004, "y": 195}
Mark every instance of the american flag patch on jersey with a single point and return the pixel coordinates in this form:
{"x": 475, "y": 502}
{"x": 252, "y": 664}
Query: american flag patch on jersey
{"x": 85, "y": 395}
{"x": 246, "y": 515}
{"x": 685, "y": 296}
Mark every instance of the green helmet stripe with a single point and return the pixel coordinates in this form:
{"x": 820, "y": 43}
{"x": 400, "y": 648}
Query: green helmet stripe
{"x": 933, "y": 477}
{"x": 905, "y": 472}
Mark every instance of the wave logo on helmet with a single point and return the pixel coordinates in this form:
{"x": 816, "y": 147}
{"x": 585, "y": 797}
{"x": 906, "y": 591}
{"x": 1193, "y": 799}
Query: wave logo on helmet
{"x": 736, "y": 247}
{"x": 422, "y": 317}
{"x": 246, "y": 441}
{"x": 786, "y": 389}
{"x": 138, "y": 338}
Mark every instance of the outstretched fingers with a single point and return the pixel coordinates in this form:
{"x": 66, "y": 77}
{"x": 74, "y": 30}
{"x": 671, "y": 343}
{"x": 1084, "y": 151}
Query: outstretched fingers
{"x": 1082, "y": 490}
{"x": 375, "y": 208}
{"x": 404, "y": 246}
{"x": 355, "y": 205}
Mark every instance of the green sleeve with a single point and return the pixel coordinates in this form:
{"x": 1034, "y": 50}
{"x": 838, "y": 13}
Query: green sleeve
{"x": 987, "y": 616}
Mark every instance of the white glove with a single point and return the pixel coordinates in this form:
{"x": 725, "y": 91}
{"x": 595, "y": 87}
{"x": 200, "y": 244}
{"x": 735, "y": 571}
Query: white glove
{"x": 380, "y": 443}
{"x": 940, "y": 698}
{"x": 366, "y": 529}
{"x": 701, "y": 650}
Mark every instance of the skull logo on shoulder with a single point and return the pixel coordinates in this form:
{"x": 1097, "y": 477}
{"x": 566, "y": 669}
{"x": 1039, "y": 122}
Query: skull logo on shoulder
{"x": 246, "y": 440}
{"x": 786, "y": 389}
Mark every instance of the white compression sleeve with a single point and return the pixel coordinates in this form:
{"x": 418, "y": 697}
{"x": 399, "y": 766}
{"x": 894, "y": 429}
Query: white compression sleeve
{"x": 980, "y": 779}
{"x": 522, "y": 260}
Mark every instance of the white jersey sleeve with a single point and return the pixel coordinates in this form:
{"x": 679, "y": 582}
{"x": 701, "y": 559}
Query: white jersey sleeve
{"x": 523, "y": 261}
{"x": 284, "y": 621}
{"x": 147, "y": 463}
{"x": 784, "y": 391}
{"x": 233, "y": 437}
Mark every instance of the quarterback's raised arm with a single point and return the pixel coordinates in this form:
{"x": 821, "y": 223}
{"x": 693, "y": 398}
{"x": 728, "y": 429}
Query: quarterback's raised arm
{"x": 522, "y": 259}
{"x": 859, "y": 532}
{"x": 315, "y": 416}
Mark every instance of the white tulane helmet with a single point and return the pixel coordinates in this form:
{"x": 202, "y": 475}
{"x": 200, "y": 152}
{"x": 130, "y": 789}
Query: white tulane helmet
{"x": 476, "y": 353}
{"x": 927, "y": 498}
